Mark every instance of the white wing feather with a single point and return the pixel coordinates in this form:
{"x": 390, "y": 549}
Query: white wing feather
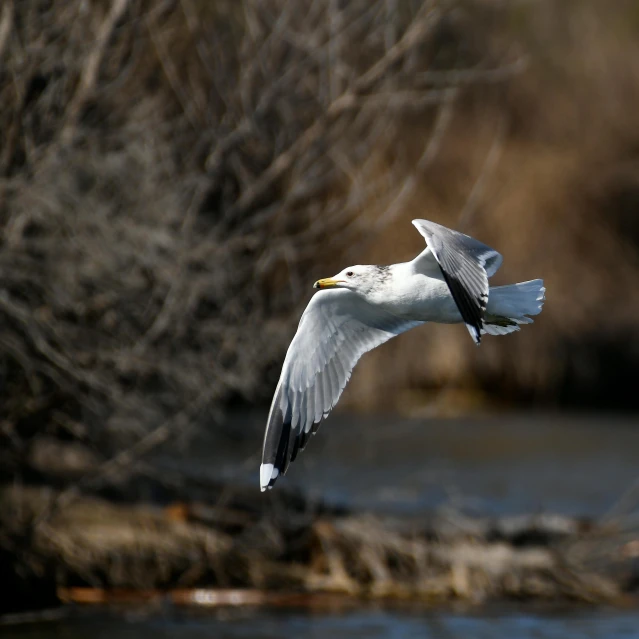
{"x": 336, "y": 329}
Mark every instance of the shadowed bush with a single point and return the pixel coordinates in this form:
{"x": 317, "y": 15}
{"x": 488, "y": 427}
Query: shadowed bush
{"x": 176, "y": 174}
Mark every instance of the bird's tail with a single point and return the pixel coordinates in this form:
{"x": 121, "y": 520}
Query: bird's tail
{"x": 509, "y": 306}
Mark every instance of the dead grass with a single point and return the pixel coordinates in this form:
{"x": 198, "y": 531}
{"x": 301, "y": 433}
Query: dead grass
{"x": 136, "y": 549}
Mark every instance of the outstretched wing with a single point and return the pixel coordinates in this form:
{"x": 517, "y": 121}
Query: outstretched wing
{"x": 466, "y": 265}
{"x": 336, "y": 329}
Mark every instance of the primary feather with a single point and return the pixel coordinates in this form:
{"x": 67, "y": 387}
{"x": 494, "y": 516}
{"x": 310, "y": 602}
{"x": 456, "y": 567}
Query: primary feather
{"x": 336, "y": 329}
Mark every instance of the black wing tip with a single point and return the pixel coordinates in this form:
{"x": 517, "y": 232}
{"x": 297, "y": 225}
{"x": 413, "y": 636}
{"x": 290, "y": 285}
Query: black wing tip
{"x": 277, "y": 451}
{"x": 276, "y": 457}
{"x": 268, "y": 476}
{"x": 475, "y": 333}
{"x": 291, "y": 442}
{"x": 282, "y": 443}
{"x": 471, "y": 309}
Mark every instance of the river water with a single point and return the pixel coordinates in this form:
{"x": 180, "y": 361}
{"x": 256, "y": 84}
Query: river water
{"x": 372, "y": 624}
{"x": 575, "y": 465}
{"x": 505, "y": 465}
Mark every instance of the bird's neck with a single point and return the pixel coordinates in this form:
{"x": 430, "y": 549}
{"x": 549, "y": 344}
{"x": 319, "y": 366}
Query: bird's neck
{"x": 387, "y": 283}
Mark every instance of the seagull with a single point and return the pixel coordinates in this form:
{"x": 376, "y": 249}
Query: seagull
{"x": 362, "y": 307}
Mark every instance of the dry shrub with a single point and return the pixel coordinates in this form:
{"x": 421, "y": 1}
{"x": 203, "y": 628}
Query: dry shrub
{"x": 543, "y": 167}
{"x": 173, "y": 174}
{"x": 176, "y": 174}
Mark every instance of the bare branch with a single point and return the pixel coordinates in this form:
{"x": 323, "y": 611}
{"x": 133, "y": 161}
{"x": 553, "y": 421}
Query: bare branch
{"x": 91, "y": 68}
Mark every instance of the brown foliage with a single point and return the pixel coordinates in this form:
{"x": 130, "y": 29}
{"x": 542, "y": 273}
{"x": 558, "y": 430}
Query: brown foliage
{"x": 124, "y": 550}
{"x": 175, "y": 174}
{"x": 171, "y": 169}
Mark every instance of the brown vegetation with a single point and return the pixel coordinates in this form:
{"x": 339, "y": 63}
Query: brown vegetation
{"x": 97, "y": 552}
{"x": 174, "y": 175}
{"x": 170, "y": 171}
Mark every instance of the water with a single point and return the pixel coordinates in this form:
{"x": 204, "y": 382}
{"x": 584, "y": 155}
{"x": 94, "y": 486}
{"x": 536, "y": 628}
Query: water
{"x": 376, "y": 624}
{"x": 505, "y": 465}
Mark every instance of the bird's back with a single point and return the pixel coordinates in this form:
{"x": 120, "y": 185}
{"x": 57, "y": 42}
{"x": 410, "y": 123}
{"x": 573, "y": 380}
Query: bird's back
{"x": 412, "y": 294}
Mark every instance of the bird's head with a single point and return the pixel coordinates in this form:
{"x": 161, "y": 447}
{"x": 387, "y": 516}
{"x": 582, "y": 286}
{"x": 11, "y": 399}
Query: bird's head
{"x": 359, "y": 279}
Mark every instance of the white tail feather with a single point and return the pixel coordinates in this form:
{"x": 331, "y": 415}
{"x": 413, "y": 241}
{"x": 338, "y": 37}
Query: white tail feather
{"x": 514, "y": 303}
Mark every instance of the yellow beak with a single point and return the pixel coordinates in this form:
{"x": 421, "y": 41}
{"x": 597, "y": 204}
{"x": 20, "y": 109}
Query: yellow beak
{"x": 329, "y": 282}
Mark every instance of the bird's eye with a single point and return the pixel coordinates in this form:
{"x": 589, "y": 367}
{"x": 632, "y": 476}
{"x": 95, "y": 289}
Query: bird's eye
{"x": 350, "y": 274}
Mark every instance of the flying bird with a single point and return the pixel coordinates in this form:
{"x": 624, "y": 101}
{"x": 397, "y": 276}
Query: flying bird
{"x": 362, "y": 307}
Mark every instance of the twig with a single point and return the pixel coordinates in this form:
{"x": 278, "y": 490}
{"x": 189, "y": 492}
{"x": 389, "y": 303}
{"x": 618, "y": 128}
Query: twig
{"x": 431, "y": 149}
{"x": 489, "y": 164}
{"x": 461, "y": 77}
{"x": 127, "y": 457}
{"x": 91, "y": 69}
{"x": 6, "y": 22}
{"x": 282, "y": 163}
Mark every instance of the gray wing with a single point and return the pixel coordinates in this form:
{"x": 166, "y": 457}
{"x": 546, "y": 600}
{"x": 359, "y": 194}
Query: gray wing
{"x": 336, "y": 329}
{"x": 466, "y": 265}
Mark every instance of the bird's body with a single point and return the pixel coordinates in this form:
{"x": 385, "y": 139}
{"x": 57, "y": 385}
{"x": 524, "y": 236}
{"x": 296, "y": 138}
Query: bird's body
{"x": 410, "y": 293}
{"x": 365, "y": 306}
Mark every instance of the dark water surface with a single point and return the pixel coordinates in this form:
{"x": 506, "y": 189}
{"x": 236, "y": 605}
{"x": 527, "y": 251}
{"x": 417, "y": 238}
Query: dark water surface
{"x": 506, "y": 624}
{"x": 493, "y": 465}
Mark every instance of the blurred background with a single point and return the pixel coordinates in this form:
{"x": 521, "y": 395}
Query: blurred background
{"x": 175, "y": 175}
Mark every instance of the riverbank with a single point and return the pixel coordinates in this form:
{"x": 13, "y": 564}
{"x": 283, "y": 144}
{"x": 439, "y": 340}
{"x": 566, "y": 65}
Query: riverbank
{"x": 425, "y": 511}
{"x": 240, "y": 548}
